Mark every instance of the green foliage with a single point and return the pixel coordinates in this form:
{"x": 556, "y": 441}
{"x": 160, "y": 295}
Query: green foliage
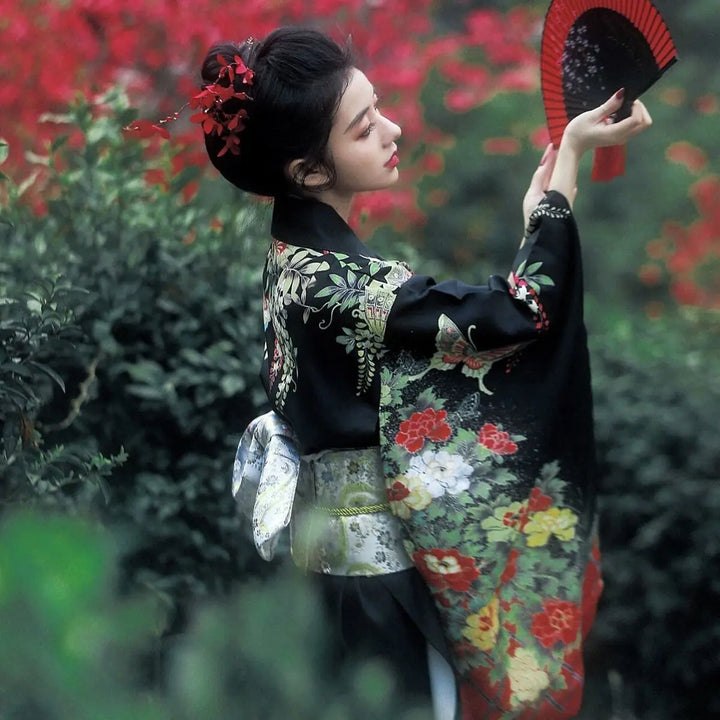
{"x": 36, "y": 327}
{"x": 74, "y": 649}
{"x": 167, "y": 346}
{"x": 657, "y": 392}
{"x": 70, "y": 646}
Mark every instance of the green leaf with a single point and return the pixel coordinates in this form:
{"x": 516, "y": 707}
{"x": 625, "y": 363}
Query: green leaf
{"x": 49, "y": 372}
{"x": 4, "y": 151}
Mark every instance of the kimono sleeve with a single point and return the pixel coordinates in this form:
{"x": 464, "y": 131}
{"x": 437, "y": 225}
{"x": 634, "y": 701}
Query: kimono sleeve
{"x": 502, "y": 312}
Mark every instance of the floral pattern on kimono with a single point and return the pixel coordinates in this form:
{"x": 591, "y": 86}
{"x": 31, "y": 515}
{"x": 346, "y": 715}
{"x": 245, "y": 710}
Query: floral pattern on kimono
{"x": 336, "y": 293}
{"x": 494, "y": 487}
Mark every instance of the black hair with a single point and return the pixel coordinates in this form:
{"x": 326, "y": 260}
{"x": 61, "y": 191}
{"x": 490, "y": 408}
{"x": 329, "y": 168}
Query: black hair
{"x": 300, "y": 75}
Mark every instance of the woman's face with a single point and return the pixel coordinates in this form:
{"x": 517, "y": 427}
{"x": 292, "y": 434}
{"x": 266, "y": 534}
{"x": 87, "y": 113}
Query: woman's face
{"x": 362, "y": 141}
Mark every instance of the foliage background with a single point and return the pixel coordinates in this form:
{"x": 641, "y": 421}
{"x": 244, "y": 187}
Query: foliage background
{"x": 130, "y": 326}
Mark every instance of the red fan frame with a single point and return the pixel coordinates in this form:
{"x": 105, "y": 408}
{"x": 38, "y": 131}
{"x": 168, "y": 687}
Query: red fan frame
{"x": 559, "y": 20}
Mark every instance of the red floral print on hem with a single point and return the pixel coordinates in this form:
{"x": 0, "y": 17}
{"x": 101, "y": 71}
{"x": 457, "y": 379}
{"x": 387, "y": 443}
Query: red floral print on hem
{"x": 446, "y": 569}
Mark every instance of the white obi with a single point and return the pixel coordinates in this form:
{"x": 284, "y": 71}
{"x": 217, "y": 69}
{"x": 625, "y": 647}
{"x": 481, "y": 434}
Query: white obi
{"x": 334, "y": 501}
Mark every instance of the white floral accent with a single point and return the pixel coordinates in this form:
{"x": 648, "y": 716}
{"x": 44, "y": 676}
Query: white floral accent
{"x": 446, "y": 565}
{"x": 441, "y": 472}
{"x": 527, "y": 678}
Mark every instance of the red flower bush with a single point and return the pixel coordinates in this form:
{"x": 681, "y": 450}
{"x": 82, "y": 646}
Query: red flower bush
{"x": 446, "y": 569}
{"x": 496, "y": 440}
{"x": 429, "y": 424}
{"x": 125, "y": 43}
{"x": 692, "y": 254}
{"x": 558, "y": 622}
{"x": 687, "y": 154}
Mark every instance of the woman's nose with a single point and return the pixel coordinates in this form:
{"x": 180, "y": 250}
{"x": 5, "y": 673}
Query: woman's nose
{"x": 392, "y": 131}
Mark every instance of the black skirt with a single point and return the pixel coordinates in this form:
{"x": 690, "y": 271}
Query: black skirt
{"x": 391, "y": 616}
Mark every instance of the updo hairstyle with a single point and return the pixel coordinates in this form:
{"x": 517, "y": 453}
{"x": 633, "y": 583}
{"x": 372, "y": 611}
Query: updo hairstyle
{"x": 300, "y": 77}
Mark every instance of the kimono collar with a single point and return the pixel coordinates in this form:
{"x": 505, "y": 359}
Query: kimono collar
{"x": 309, "y": 223}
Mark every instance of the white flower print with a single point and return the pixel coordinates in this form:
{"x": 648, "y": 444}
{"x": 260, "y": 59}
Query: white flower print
{"x": 441, "y": 472}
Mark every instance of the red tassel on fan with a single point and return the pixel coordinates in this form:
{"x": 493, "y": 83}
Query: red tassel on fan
{"x": 608, "y": 163}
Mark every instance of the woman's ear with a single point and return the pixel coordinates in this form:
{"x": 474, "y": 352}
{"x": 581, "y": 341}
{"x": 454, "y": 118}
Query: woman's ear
{"x": 307, "y": 175}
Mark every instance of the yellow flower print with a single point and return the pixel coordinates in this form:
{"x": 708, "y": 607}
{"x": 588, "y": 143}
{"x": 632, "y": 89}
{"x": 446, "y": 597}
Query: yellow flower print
{"x": 527, "y": 678}
{"x": 506, "y": 522}
{"x": 559, "y": 522}
{"x": 407, "y": 494}
{"x": 482, "y": 628}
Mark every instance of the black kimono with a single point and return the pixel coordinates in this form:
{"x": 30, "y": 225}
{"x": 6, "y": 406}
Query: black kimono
{"x": 476, "y": 402}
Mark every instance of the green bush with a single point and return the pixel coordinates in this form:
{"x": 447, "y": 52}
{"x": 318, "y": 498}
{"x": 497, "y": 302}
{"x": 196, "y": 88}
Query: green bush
{"x": 164, "y": 366}
{"x": 73, "y": 649}
{"x": 657, "y": 389}
{"x": 36, "y": 327}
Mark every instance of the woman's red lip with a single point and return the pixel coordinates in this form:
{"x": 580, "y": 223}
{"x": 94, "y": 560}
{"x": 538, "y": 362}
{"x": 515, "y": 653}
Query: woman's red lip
{"x": 393, "y": 161}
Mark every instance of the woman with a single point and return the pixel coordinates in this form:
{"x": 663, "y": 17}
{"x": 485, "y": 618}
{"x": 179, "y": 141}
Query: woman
{"x": 445, "y": 497}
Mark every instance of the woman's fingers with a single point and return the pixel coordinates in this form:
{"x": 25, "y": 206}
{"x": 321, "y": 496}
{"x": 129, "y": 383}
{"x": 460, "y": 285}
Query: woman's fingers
{"x": 620, "y": 132}
{"x": 610, "y": 106}
{"x": 596, "y": 128}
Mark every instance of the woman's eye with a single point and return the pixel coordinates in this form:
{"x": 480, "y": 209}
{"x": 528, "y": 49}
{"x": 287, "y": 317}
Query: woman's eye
{"x": 367, "y": 130}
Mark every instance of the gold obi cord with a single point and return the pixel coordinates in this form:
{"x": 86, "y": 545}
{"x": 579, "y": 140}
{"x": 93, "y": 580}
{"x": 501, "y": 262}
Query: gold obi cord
{"x": 341, "y": 522}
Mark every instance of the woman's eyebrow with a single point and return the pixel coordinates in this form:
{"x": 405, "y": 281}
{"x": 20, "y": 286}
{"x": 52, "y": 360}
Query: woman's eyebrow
{"x": 357, "y": 119}
{"x": 360, "y": 115}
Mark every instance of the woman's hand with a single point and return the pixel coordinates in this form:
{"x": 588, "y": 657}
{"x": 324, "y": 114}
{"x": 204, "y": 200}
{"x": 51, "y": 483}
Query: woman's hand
{"x": 590, "y": 130}
{"x": 596, "y": 128}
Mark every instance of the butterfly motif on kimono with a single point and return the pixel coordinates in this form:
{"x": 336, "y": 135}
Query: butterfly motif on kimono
{"x": 453, "y": 349}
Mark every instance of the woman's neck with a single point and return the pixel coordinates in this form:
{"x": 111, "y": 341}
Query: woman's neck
{"x": 341, "y": 203}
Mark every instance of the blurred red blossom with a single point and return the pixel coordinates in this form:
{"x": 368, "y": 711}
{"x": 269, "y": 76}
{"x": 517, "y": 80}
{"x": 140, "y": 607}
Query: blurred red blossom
{"x": 708, "y": 104}
{"x": 673, "y": 95}
{"x": 687, "y": 154}
{"x": 126, "y": 43}
{"x": 650, "y": 274}
{"x": 501, "y": 146}
{"x": 693, "y": 260}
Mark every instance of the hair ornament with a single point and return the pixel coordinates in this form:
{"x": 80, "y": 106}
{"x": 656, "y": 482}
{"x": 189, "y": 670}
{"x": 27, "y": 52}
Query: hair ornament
{"x": 213, "y": 116}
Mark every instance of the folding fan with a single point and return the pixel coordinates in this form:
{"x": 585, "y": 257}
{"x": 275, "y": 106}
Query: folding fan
{"x": 591, "y": 49}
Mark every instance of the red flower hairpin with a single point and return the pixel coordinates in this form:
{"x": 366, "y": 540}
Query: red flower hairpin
{"x": 213, "y": 116}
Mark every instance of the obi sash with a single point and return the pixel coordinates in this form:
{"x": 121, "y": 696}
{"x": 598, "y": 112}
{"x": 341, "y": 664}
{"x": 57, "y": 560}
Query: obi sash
{"x": 334, "y": 501}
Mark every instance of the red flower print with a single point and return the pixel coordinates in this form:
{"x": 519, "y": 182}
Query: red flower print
{"x": 483, "y": 697}
{"x": 538, "y": 502}
{"x": 498, "y": 441}
{"x": 429, "y": 424}
{"x": 511, "y": 567}
{"x": 516, "y": 517}
{"x": 446, "y": 569}
{"x": 559, "y": 621}
{"x": 397, "y": 492}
